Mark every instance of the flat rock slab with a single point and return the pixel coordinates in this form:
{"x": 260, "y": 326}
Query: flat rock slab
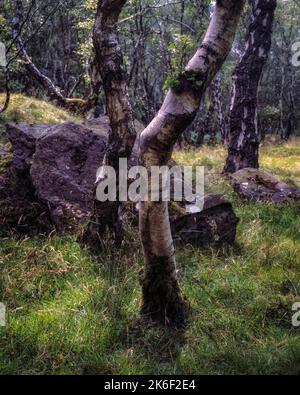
{"x": 215, "y": 224}
{"x": 260, "y": 186}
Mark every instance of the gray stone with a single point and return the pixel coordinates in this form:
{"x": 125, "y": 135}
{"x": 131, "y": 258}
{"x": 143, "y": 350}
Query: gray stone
{"x": 260, "y": 186}
{"x": 215, "y": 224}
{"x": 23, "y": 138}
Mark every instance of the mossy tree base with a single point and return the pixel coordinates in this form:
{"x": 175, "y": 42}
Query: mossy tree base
{"x": 163, "y": 302}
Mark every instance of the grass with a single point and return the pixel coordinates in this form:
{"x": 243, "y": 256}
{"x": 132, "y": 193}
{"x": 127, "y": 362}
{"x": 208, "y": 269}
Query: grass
{"x": 70, "y": 312}
{"x": 30, "y": 110}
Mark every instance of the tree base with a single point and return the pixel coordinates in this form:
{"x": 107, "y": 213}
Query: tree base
{"x": 104, "y": 226}
{"x": 163, "y": 303}
{"x": 238, "y": 160}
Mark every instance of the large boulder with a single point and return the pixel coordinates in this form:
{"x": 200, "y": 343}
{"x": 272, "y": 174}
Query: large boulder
{"x": 60, "y": 164}
{"x": 260, "y": 186}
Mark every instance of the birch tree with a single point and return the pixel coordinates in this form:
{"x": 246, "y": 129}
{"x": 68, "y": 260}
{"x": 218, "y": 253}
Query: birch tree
{"x": 244, "y": 139}
{"x": 121, "y": 139}
{"x": 162, "y": 298}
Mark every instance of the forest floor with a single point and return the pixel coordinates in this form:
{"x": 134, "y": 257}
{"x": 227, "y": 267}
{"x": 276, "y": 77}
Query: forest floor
{"x": 70, "y": 312}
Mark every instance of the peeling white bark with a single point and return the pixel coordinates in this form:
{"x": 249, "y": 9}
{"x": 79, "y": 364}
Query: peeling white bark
{"x": 162, "y": 298}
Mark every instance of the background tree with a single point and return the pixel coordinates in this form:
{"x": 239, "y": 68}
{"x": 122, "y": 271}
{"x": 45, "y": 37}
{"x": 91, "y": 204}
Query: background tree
{"x": 244, "y": 135}
{"x": 162, "y": 300}
{"x": 122, "y": 136}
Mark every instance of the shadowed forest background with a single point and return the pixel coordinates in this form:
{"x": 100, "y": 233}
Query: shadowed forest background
{"x": 80, "y": 81}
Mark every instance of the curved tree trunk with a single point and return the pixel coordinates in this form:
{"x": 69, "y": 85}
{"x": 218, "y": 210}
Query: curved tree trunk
{"x": 243, "y": 150}
{"x": 162, "y": 299}
{"x": 109, "y": 59}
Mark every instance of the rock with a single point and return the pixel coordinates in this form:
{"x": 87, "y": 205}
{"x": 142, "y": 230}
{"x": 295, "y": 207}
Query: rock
{"x": 23, "y": 138}
{"x": 20, "y": 210}
{"x": 59, "y": 163}
{"x": 64, "y": 166}
{"x": 260, "y": 186}
{"x": 215, "y": 224}
{"x": 3, "y": 153}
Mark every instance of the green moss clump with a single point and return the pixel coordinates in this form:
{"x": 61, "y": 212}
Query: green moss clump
{"x": 189, "y": 80}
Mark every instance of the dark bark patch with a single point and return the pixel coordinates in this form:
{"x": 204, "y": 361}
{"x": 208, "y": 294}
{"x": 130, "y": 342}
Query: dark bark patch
{"x": 162, "y": 299}
{"x": 189, "y": 81}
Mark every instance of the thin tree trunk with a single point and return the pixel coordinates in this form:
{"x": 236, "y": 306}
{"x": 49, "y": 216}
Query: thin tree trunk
{"x": 7, "y": 91}
{"x": 208, "y": 124}
{"x": 162, "y": 298}
{"x": 217, "y": 95}
{"x": 109, "y": 59}
{"x": 281, "y": 105}
{"x": 291, "y": 97}
{"x": 214, "y": 119}
{"x": 243, "y": 150}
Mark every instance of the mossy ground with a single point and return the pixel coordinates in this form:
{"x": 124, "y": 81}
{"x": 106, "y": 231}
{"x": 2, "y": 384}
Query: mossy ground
{"x": 31, "y": 110}
{"x": 72, "y": 312}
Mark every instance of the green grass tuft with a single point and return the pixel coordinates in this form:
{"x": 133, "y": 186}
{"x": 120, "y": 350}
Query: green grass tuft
{"x": 33, "y": 111}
